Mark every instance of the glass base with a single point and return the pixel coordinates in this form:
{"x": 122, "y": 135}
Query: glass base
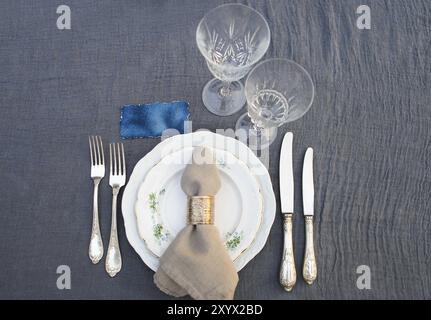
{"x": 223, "y": 105}
{"x": 254, "y": 140}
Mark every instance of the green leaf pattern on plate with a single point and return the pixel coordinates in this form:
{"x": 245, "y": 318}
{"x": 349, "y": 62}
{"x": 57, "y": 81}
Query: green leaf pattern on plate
{"x": 159, "y": 231}
{"x": 222, "y": 163}
{"x": 233, "y": 239}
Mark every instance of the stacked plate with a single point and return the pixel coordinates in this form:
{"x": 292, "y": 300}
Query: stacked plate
{"x": 154, "y": 205}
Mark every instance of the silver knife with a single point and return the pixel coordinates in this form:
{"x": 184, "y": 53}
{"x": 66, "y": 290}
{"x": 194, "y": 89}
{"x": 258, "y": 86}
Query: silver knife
{"x": 309, "y": 271}
{"x": 287, "y": 270}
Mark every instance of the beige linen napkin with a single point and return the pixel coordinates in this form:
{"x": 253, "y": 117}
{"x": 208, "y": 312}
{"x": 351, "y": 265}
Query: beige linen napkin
{"x": 196, "y": 262}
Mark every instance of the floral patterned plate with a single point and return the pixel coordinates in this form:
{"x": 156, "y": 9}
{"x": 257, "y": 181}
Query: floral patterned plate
{"x": 162, "y": 207}
{"x": 176, "y": 143}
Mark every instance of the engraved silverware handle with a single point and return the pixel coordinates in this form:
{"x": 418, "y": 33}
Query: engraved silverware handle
{"x": 288, "y": 271}
{"x": 309, "y": 272}
{"x": 95, "y": 250}
{"x": 113, "y": 258}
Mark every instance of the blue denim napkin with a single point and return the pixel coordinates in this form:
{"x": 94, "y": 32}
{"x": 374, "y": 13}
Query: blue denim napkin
{"x": 150, "y": 120}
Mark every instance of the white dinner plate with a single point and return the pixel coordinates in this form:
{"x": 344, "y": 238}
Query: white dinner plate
{"x": 161, "y": 204}
{"x": 207, "y": 139}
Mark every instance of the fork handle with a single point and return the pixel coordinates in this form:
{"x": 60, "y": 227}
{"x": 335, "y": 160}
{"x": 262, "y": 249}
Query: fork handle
{"x": 113, "y": 261}
{"x": 95, "y": 250}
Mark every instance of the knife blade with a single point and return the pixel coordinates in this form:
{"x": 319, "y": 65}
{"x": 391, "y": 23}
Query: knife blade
{"x": 286, "y": 174}
{"x": 287, "y": 270}
{"x": 308, "y": 183}
{"x": 309, "y": 270}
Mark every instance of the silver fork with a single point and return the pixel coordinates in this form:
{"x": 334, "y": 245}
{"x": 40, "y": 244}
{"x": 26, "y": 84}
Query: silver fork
{"x": 95, "y": 250}
{"x": 117, "y": 179}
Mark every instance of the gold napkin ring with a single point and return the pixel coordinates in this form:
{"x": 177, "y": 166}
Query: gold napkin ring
{"x": 200, "y": 210}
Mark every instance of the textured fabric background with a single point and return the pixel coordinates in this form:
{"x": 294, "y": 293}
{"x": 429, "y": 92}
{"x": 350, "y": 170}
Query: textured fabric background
{"x": 370, "y": 126}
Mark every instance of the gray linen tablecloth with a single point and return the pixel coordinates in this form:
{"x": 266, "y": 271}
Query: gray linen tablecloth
{"x": 370, "y": 127}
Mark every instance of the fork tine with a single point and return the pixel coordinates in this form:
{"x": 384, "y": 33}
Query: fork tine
{"x": 98, "y": 150}
{"x": 124, "y": 162}
{"x": 91, "y": 151}
{"x": 110, "y": 158}
{"x": 119, "y": 158}
{"x": 117, "y": 161}
{"x": 102, "y": 151}
{"x": 115, "y": 158}
{"x": 93, "y": 140}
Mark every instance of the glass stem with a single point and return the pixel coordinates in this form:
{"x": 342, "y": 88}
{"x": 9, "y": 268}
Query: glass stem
{"x": 225, "y": 90}
{"x": 258, "y": 130}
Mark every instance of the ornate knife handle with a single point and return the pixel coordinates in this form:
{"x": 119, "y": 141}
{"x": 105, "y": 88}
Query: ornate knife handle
{"x": 288, "y": 271}
{"x": 113, "y": 261}
{"x": 95, "y": 250}
{"x": 309, "y": 271}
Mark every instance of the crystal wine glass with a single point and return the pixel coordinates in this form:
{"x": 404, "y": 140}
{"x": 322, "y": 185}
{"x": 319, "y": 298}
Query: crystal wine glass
{"x": 277, "y": 91}
{"x": 232, "y": 38}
